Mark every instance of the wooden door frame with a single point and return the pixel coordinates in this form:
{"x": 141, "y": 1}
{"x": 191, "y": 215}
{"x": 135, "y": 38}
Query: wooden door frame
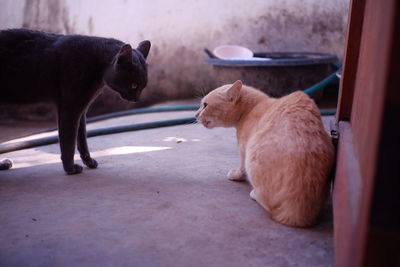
{"x": 368, "y": 95}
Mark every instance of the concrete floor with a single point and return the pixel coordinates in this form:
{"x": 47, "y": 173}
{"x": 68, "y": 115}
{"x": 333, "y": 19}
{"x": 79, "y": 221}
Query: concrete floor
{"x": 159, "y": 198}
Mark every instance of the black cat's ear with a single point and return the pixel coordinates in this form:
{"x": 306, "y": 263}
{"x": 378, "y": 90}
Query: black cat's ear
{"x": 233, "y": 92}
{"x": 124, "y": 56}
{"x": 144, "y": 48}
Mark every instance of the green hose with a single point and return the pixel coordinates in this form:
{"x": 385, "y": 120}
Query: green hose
{"x": 136, "y": 111}
{"x": 318, "y": 86}
{"x": 5, "y": 148}
{"x": 143, "y": 111}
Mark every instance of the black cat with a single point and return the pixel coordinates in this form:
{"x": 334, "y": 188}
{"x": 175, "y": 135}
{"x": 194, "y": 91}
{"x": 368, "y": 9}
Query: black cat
{"x": 70, "y": 70}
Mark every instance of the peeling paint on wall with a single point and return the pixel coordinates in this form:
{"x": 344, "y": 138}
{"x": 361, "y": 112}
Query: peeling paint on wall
{"x": 50, "y": 16}
{"x": 180, "y": 30}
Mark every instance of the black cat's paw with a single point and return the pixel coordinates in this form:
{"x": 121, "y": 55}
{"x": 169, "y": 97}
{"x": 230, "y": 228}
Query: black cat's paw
{"x": 74, "y": 170}
{"x": 91, "y": 163}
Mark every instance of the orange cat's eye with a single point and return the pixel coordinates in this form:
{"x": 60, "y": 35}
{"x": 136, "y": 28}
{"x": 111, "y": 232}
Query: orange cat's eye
{"x": 205, "y": 105}
{"x": 134, "y": 85}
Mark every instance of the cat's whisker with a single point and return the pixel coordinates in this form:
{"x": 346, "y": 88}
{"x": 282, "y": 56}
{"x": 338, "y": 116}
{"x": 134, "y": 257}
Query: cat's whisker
{"x": 204, "y": 91}
{"x": 198, "y": 94}
{"x": 201, "y": 92}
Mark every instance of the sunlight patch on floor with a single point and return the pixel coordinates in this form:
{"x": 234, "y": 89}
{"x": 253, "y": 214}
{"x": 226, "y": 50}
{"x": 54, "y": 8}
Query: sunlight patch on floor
{"x": 122, "y": 150}
{"x": 49, "y": 158}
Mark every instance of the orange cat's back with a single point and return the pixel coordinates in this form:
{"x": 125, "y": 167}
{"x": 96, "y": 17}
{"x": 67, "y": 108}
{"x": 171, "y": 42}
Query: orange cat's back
{"x": 288, "y": 157}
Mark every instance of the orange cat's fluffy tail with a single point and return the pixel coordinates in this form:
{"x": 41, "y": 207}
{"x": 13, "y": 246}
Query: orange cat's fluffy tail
{"x": 300, "y": 212}
{"x": 299, "y": 216}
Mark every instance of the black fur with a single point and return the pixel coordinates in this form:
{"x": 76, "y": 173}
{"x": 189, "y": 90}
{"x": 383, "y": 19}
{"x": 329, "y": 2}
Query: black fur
{"x": 69, "y": 70}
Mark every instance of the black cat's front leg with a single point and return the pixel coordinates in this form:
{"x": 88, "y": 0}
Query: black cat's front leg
{"x": 67, "y": 131}
{"x": 83, "y": 146}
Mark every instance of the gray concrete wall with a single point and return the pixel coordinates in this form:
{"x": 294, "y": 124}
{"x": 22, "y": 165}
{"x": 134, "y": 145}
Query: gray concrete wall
{"x": 180, "y": 29}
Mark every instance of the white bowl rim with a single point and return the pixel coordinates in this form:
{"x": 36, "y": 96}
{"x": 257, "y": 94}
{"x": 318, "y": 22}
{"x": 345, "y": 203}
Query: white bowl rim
{"x": 244, "y": 49}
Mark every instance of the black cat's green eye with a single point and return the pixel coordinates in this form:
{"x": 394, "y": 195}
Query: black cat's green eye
{"x": 134, "y": 85}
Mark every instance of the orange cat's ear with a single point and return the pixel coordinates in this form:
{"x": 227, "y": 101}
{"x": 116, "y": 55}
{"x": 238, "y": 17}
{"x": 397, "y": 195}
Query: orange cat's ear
{"x": 233, "y": 92}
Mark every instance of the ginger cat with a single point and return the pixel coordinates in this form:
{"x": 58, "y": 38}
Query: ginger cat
{"x": 284, "y": 149}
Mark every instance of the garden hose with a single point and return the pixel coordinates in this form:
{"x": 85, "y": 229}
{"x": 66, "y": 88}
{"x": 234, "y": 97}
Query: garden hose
{"x": 5, "y": 148}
